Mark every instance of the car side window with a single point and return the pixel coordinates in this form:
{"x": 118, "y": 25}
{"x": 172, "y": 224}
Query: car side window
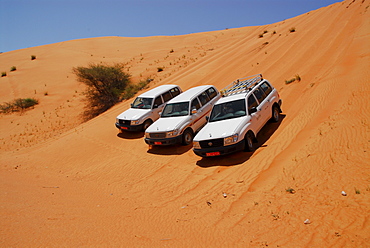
{"x": 252, "y": 103}
{"x": 260, "y": 94}
{"x": 195, "y": 104}
{"x": 166, "y": 96}
{"x": 158, "y": 101}
{"x": 211, "y": 93}
{"x": 175, "y": 91}
{"x": 204, "y": 99}
{"x": 266, "y": 88}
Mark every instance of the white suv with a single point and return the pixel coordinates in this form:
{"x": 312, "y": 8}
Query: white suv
{"x": 247, "y": 104}
{"x": 182, "y": 117}
{"x": 146, "y": 108}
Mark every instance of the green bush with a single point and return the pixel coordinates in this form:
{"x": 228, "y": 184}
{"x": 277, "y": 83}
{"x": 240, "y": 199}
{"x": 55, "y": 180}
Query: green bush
{"x": 17, "y": 105}
{"x": 13, "y": 68}
{"x": 105, "y": 85}
{"x": 297, "y": 77}
{"x": 3, "y": 74}
{"x": 132, "y": 89}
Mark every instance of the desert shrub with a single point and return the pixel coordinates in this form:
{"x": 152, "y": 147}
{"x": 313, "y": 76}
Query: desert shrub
{"x": 132, "y": 89}
{"x": 289, "y": 81}
{"x": 297, "y": 77}
{"x": 159, "y": 69}
{"x": 105, "y": 85}
{"x": 17, "y": 105}
{"x": 292, "y": 29}
{"x": 13, "y": 68}
{"x": 3, "y": 74}
{"x": 33, "y": 57}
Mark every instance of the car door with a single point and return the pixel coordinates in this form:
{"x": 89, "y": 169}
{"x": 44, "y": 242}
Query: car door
{"x": 255, "y": 115}
{"x": 197, "y": 117}
{"x": 157, "y": 107}
{"x": 264, "y": 108}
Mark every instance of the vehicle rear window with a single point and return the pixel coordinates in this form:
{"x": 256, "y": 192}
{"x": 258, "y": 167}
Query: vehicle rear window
{"x": 266, "y": 88}
{"x": 166, "y": 96}
{"x": 211, "y": 92}
{"x": 175, "y": 91}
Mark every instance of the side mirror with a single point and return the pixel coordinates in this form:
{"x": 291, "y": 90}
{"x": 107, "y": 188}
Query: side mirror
{"x": 155, "y": 106}
{"x": 131, "y": 105}
{"x": 207, "y": 118}
{"x": 253, "y": 110}
{"x": 194, "y": 111}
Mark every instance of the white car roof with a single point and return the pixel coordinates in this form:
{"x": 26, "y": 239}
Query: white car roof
{"x": 232, "y": 98}
{"x": 238, "y": 96}
{"x": 158, "y": 90}
{"x": 190, "y": 94}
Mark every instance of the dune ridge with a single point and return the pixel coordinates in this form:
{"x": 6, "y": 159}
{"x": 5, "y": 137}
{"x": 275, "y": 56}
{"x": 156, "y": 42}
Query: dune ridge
{"x": 69, "y": 183}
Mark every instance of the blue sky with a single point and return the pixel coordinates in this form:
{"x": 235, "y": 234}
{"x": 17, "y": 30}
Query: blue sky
{"x": 29, "y": 23}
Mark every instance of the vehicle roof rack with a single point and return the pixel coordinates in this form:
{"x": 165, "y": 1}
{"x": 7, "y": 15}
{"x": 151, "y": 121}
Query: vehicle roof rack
{"x": 241, "y": 85}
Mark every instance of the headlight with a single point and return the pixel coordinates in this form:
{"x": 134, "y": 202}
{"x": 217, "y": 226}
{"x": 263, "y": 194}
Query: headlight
{"x": 172, "y": 133}
{"x": 231, "y": 139}
{"x": 196, "y": 145}
{"x": 117, "y": 120}
{"x": 135, "y": 122}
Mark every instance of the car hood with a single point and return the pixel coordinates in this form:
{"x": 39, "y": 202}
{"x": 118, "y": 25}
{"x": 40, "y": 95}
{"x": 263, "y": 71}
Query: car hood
{"x": 219, "y": 129}
{"x": 167, "y": 124}
{"x": 133, "y": 114}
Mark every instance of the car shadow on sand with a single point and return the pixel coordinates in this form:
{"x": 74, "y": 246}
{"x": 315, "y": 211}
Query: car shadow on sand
{"x": 169, "y": 150}
{"x": 130, "y": 135}
{"x": 240, "y": 157}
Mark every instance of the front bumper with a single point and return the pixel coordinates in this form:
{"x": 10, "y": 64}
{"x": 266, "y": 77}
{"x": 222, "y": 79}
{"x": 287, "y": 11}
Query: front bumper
{"x": 125, "y": 127}
{"x": 164, "y": 142}
{"x": 219, "y": 151}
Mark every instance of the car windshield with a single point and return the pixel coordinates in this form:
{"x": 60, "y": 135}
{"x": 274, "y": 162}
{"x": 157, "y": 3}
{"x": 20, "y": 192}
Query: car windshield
{"x": 176, "y": 109}
{"x": 142, "y": 103}
{"x": 228, "y": 110}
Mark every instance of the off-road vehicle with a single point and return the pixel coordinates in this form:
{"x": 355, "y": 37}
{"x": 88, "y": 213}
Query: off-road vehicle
{"x": 245, "y": 107}
{"x": 146, "y": 108}
{"x": 182, "y": 117}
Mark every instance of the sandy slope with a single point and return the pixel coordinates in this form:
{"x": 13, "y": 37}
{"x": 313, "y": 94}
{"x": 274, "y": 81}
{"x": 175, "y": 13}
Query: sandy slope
{"x": 67, "y": 183}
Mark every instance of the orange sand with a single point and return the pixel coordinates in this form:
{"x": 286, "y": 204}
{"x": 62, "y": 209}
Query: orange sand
{"x": 67, "y": 183}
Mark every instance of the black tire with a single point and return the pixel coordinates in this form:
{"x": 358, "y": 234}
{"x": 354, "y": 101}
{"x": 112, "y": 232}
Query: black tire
{"x": 275, "y": 114}
{"x": 146, "y": 124}
{"x": 249, "y": 142}
{"x": 187, "y": 137}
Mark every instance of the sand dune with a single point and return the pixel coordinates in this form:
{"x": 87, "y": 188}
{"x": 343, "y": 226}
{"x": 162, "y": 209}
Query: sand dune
{"x": 68, "y": 183}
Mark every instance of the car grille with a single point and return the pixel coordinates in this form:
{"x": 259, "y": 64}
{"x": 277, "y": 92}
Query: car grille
{"x": 211, "y": 143}
{"x": 124, "y": 122}
{"x": 157, "y": 135}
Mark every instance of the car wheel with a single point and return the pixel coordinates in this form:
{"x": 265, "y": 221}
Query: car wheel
{"x": 187, "y": 137}
{"x": 147, "y": 123}
{"x": 275, "y": 114}
{"x": 249, "y": 142}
